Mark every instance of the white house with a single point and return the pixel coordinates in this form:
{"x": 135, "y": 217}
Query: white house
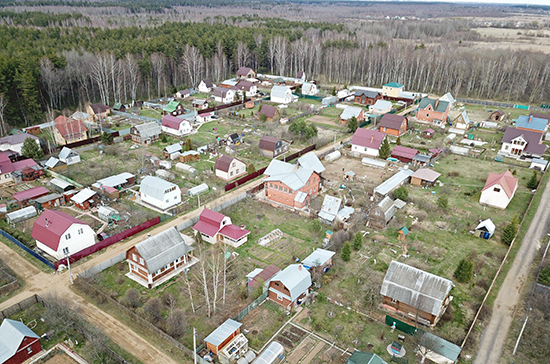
{"x": 519, "y": 142}
{"x": 176, "y": 126}
{"x": 69, "y": 156}
{"x": 215, "y": 227}
{"x": 225, "y": 95}
{"x": 309, "y": 88}
{"x": 366, "y": 142}
{"x": 380, "y": 107}
{"x": 183, "y": 94}
{"x": 228, "y": 168}
{"x": 499, "y": 190}
{"x": 15, "y": 142}
{"x": 301, "y": 77}
{"x": 281, "y": 94}
{"x": 449, "y": 98}
{"x": 206, "y": 86}
{"x": 159, "y": 193}
{"x": 59, "y": 234}
{"x": 249, "y": 87}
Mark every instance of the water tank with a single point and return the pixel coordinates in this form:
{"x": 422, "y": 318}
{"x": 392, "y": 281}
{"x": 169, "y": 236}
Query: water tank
{"x": 333, "y": 156}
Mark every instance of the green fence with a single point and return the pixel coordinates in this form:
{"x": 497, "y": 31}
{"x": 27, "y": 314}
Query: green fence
{"x": 543, "y": 106}
{"x": 400, "y": 325}
{"x": 523, "y": 107}
{"x": 251, "y": 306}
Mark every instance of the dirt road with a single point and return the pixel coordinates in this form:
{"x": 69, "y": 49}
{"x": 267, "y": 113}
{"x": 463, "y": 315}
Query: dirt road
{"x": 494, "y": 335}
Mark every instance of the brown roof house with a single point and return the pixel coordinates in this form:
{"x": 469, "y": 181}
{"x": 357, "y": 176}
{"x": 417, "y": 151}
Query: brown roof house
{"x": 228, "y": 168}
{"x": 380, "y": 215}
{"x": 414, "y": 294}
{"x": 271, "y": 113}
{"x": 272, "y": 147}
{"x": 245, "y": 72}
{"x": 259, "y": 277}
{"x": 392, "y": 124}
{"x": 69, "y": 130}
{"x": 424, "y": 177}
{"x": 290, "y": 286}
{"x": 497, "y": 115}
{"x": 98, "y": 111}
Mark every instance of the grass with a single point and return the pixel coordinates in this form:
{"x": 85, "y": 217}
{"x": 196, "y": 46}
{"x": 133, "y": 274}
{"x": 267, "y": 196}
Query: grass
{"x": 151, "y": 113}
{"x": 263, "y": 322}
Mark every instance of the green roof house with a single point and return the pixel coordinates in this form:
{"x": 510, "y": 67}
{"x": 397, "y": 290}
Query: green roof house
{"x": 433, "y": 110}
{"x": 360, "y": 357}
{"x": 174, "y": 108}
{"x": 392, "y": 89}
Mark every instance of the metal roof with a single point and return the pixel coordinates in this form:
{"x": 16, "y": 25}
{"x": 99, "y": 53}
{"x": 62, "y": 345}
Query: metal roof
{"x": 148, "y": 130}
{"x": 382, "y": 105}
{"x": 155, "y": 187}
{"x": 83, "y": 195}
{"x": 295, "y": 278}
{"x": 162, "y": 249}
{"x": 388, "y": 185}
{"x": 310, "y": 160}
{"x": 280, "y": 92}
{"x": 441, "y": 346}
{"x": 225, "y": 330}
{"x": 66, "y": 152}
{"x": 12, "y": 334}
{"x": 58, "y": 182}
{"x": 330, "y": 208}
{"x": 426, "y": 174}
{"x": 350, "y": 112}
{"x": 360, "y": 357}
{"x": 317, "y": 258}
{"x": 176, "y": 147}
{"x": 52, "y": 162}
{"x": 488, "y": 225}
{"x": 531, "y": 122}
{"x": 116, "y": 180}
{"x": 393, "y": 84}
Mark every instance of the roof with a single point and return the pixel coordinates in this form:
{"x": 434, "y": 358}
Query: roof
{"x": 382, "y": 105}
{"x": 350, "y": 112}
{"x": 223, "y": 163}
{"x": 345, "y": 212}
{"x": 30, "y": 193}
{"x": 268, "y": 110}
{"x": 99, "y": 108}
{"x": 508, "y": 182}
{"x": 448, "y": 97}
{"x": 148, "y": 130}
{"x": 224, "y": 331}
{"x": 539, "y": 161}
{"x": 171, "y": 122}
{"x": 441, "y": 105}
{"x": 52, "y": 162}
{"x": 330, "y": 208}
{"x": 310, "y": 160}
{"x": 66, "y": 152}
{"x": 243, "y": 71}
{"x": 295, "y": 278}
{"x": 392, "y": 121}
{"x": 116, "y": 180}
{"x": 280, "y": 91}
{"x": 265, "y": 275}
{"x": 415, "y": 287}
{"x": 220, "y": 91}
{"x": 442, "y": 346}
{"x": 60, "y": 183}
{"x": 208, "y": 83}
{"x": 393, "y": 84}
{"x": 388, "y": 185}
{"x": 368, "y": 138}
{"x": 200, "y": 101}
{"x": 80, "y": 115}
{"x": 404, "y": 152}
{"x": 234, "y": 232}
{"x": 254, "y": 273}
{"x": 533, "y": 139}
{"x": 48, "y": 197}
{"x": 404, "y": 230}
{"x": 388, "y": 207}
{"x": 465, "y": 117}
{"x": 300, "y": 74}
{"x": 246, "y": 85}
{"x": 426, "y": 174}
{"x": 360, "y": 357}
{"x": 69, "y": 128}
{"x": 317, "y": 258}
{"x": 488, "y": 224}
{"x": 12, "y": 334}
{"x": 155, "y": 187}
{"x": 6, "y": 165}
{"x": 429, "y": 130}
{"x": 367, "y": 93}
{"x": 16, "y": 138}
{"x": 83, "y": 195}
{"x": 296, "y": 175}
{"x": 19, "y": 165}
{"x": 173, "y": 148}
{"x": 307, "y": 86}
{"x": 268, "y": 143}
{"x": 540, "y": 115}
{"x": 531, "y": 122}
{"x": 162, "y": 249}
{"x": 51, "y": 225}
{"x": 209, "y": 222}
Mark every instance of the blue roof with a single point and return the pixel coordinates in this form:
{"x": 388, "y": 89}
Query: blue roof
{"x": 532, "y": 123}
{"x": 223, "y": 331}
{"x": 317, "y": 258}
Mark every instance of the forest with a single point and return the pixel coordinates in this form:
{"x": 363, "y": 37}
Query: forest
{"x": 48, "y": 62}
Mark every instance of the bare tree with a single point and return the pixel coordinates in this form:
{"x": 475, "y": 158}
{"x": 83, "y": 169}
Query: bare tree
{"x": 158, "y": 69}
{"x": 192, "y": 64}
{"x": 53, "y": 81}
{"x": 242, "y": 55}
{"x": 3, "y": 125}
{"x": 189, "y": 290}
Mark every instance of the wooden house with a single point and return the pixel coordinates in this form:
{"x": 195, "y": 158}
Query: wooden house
{"x": 146, "y": 134}
{"x": 172, "y": 149}
{"x": 381, "y": 214}
{"x": 220, "y": 337}
{"x": 272, "y": 147}
{"x": 85, "y": 199}
{"x": 98, "y": 111}
{"x": 404, "y": 154}
{"x": 392, "y": 124}
{"x": 497, "y": 115}
{"x": 228, "y": 168}
{"x": 174, "y": 108}
{"x": 245, "y": 72}
{"x": 271, "y": 113}
{"x": 190, "y": 156}
{"x": 54, "y": 164}
{"x": 18, "y": 343}
{"x": 351, "y": 112}
{"x": 290, "y": 286}
{"x": 424, "y": 177}
{"x": 119, "y": 106}
{"x": 69, "y": 130}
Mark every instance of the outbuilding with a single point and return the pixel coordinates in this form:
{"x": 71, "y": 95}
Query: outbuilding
{"x": 485, "y": 229}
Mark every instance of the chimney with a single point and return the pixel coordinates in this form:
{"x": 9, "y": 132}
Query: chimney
{"x": 530, "y": 118}
{"x": 242, "y": 227}
{"x": 436, "y": 102}
{"x": 372, "y": 138}
{"x": 47, "y": 222}
{"x": 300, "y": 267}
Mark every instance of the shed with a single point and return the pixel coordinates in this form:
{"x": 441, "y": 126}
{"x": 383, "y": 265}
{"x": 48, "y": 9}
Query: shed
{"x": 23, "y": 197}
{"x": 373, "y": 163}
{"x": 222, "y": 335}
{"x": 21, "y": 215}
{"x": 404, "y": 154}
{"x": 485, "y": 229}
{"x": 349, "y": 175}
{"x": 424, "y": 176}
{"x": 393, "y": 182}
{"x": 56, "y": 165}
{"x": 49, "y": 201}
{"x": 329, "y": 209}
{"x": 61, "y": 185}
{"x": 106, "y": 213}
{"x": 319, "y": 258}
{"x": 428, "y": 133}
{"x": 197, "y": 190}
{"x": 539, "y": 164}
{"x": 84, "y": 199}
{"x": 189, "y": 156}
{"x": 402, "y": 233}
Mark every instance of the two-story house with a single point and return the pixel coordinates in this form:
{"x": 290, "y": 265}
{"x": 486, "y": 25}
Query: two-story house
{"x": 365, "y": 97}
{"x": 147, "y": 133}
{"x": 228, "y": 168}
{"x": 366, "y": 142}
{"x": 206, "y": 86}
{"x": 518, "y": 143}
{"x": 159, "y": 193}
{"x": 272, "y": 147}
{"x": 174, "y": 108}
{"x": 290, "y": 286}
{"x": 499, "y": 190}
{"x": 392, "y": 124}
{"x": 245, "y": 72}
{"x": 433, "y": 110}
{"x": 69, "y": 130}
{"x": 218, "y": 228}
{"x": 392, "y": 89}
{"x": 176, "y": 126}
{"x": 247, "y": 87}
{"x": 224, "y": 95}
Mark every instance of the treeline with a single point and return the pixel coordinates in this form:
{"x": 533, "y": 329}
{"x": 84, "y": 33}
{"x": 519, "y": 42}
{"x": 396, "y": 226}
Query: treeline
{"x": 40, "y": 19}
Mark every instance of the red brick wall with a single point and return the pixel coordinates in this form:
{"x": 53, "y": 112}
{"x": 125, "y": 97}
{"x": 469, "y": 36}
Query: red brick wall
{"x": 275, "y": 194}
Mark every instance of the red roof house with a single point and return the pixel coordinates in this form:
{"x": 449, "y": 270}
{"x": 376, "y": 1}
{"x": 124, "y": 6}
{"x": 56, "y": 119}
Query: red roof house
{"x": 23, "y": 197}
{"x": 404, "y": 154}
{"x": 366, "y": 142}
{"x": 69, "y": 130}
{"x": 499, "y": 190}
{"x": 228, "y": 168}
{"x": 215, "y": 227}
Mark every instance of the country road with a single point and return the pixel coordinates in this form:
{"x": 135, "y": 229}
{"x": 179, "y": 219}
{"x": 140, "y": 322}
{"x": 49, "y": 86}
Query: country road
{"x": 494, "y": 336}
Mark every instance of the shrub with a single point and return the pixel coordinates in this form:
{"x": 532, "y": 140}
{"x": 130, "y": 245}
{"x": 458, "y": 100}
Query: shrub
{"x": 401, "y": 193}
{"x": 443, "y": 201}
{"x": 358, "y": 241}
{"x": 544, "y": 277}
{"x": 533, "y": 183}
{"x": 346, "y": 252}
{"x": 465, "y": 271}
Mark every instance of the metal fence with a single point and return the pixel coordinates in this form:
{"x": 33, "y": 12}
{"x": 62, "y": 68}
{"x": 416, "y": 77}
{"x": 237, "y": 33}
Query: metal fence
{"x": 501, "y": 104}
{"x": 251, "y": 306}
{"x": 27, "y": 249}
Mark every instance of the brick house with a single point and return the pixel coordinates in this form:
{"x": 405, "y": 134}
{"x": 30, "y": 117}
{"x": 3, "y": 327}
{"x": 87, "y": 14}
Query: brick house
{"x": 433, "y": 110}
{"x": 365, "y": 97}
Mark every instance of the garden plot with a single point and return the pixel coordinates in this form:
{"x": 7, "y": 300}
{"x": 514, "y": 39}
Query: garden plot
{"x": 262, "y": 322}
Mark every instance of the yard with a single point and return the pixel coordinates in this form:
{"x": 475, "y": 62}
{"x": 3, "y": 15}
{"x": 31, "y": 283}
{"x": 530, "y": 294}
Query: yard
{"x": 151, "y": 113}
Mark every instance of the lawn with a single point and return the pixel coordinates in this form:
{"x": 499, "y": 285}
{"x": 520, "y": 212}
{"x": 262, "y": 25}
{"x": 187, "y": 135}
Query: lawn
{"x": 151, "y": 113}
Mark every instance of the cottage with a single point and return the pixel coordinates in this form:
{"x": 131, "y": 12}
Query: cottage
{"x": 224, "y": 95}
{"x": 531, "y": 123}
{"x": 380, "y": 215}
{"x": 245, "y": 72}
{"x": 485, "y": 229}
{"x": 392, "y": 124}
{"x": 350, "y": 112}
{"x": 172, "y": 149}
{"x": 200, "y": 104}
{"x": 281, "y": 95}
{"x": 189, "y": 156}
{"x": 119, "y": 106}
{"x": 293, "y": 185}
{"x": 272, "y": 147}
{"x": 69, "y": 130}
{"x": 393, "y": 182}
{"x": 84, "y": 117}
{"x": 146, "y": 134}
{"x": 433, "y": 110}
{"x": 424, "y": 177}
{"x": 15, "y": 142}
{"x": 159, "y": 258}
{"x": 365, "y": 97}
{"x": 98, "y": 111}
{"x": 205, "y": 86}
{"x": 18, "y": 343}
{"x": 182, "y": 94}
{"x": 271, "y": 113}
{"x": 366, "y": 142}
{"x": 261, "y": 277}
{"x": 404, "y": 154}
{"x": 392, "y": 89}
{"x": 220, "y": 337}
{"x": 175, "y": 126}
{"x": 174, "y": 107}
{"x": 329, "y": 209}
{"x": 448, "y": 98}
{"x": 231, "y": 83}
{"x": 290, "y": 286}
{"x": 217, "y": 228}
{"x": 85, "y": 199}
{"x": 360, "y": 357}
{"x": 418, "y": 295}
{"x": 24, "y": 197}
{"x": 59, "y": 234}
{"x": 159, "y": 193}
{"x": 300, "y": 77}
{"x": 380, "y": 107}
{"x": 310, "y": 89}
{"x": 69, "y": 156}
{"x": 247, "y": 87}
{"x": 49, "y": 201}
{"x": 499, "y": 190}
{"x": 54, "y": 164}
{"x": 319, "y": 258}
{"x": 518, "y": 143}
{"x": 228, "y": 168}
{"x": 61, "y": 185}
{"x": 497, "y": 115}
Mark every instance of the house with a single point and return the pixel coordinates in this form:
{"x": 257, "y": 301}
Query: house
{"x": 58, "y": 234}
{"x": 499, "y": 190}
{"x": 247, "y": 87}
{"x": 200, "y": 104}
{"x": 234, "y": 139}
{"x": 205, "y": 86}
{"x": 228, "y": 168}
{"x": 424, "y": 177}
{"x": 539, "y": 164}
{"x": 261, "y": 277}
{"x": 350, "y": 112}
{"x": 159, "y": 258}
{"x": 18, "y": 343}
{"x": 217, "y": 228}
{"x": 329, "y": 100}
{"x": 540, "y": 115}
{"x": 69, "y": 130}
{"x": 418, "y": 295}
{"x": 518, "y": 143}
{"x": 220, "y": 337}
{"x": 224, "y": 95}
{"x": 98, "y": 111}
{"x": 229, "y": 83}
{"x": 404, "y": 154}
{"x": 301, "y": 77}
{"x": 448, "y": 98}
{"x": 172, "y": 149}
{"x": 15, "y": 142}
{"x": 271, "y": 113}
{"x": 182, "y": 94}
{"x": 329, "y": 209}
{"x": 497, "y": 115}
{"x": 380, "y": 215}
{"x": 380, "y": 107}
{"x": 428, "y": 133}
{"x": 393, "y": 182}
{"x": 290, "y": 286}
{"x": 245, "y": 72}
{"x": 485, "y": 229}
{"x": 272, "y": 147}
{"x": 85, "y": 199}
{"x": 365, "y": 97}
{"x": 69, "y": 156}
{"x": 174, "y": 108}
{"x": 319, "y": 258}
{"x": 366, "y": 142}
{"x": 61, "y": 185}
{"x": 360, "y": 357}
{"x": 281, "y": 95}
{"x": 146, "y": 134}
{"x": 54, "y": 164}
{"x": 433, "y": 110}
{"x": 309, "y": 88}
{"x": 118, "y": 181}
{"x": 118, "y": 106}
{"x": 175, "y": 126}
{"x": 159, "y": 193}
{"x": 531, "y": 123}
{"x": 49, "y": 201}
{"x": 461, "y": 119}
{"x": 190, "y": 156}
{"x": 82, "y": 116}
{"x": 392, "y": 124}
{"x": 24, "y": 197}
{"x": 392, "y": 89}
{"x": 293, "y": 185}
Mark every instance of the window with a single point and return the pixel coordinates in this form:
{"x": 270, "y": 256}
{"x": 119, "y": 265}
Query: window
{"x": 496, "y": 189}
{"x": 308, "y": 183}
{"x": 290, "y": 191}
{"x": 231, "y": 174}
{"x": 67, "y": 236}
{"x": 384, "y": 129}
{"x": 279, "y": 297}
{"x": 134, "y": 258}
{"x": 141, "y": 261}
{"x": 393, "y": 300}
{"x": 6, "y": 176}
{"x": 427, "y": 115}
{"x": 286, "y": 190}
{"x": 376, "y": 213}
{"x": 506, "y": 147}
{"x": 175, "y": 197}
{"x": 234, "y": 164}
{"x": 80, "y": 231}
{"x": 65, "y": 251}
{"x": 271, "y": 185}
{"x": 277, "y": 284}
{"x": 167, "y": 201}
{"x": 29, "y": 350}
{"x": 365, "y": 149}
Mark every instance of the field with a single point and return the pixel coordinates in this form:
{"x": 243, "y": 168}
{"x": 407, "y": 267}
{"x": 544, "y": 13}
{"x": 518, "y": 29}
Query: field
{"x": 534, "y": 40}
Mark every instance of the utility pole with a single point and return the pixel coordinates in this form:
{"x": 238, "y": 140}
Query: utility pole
{"x": 69, "y": 264}
{"x": 194, "y": 346}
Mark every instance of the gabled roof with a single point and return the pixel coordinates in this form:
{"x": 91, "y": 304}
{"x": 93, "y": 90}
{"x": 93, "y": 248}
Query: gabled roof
{"x": 83, "y": 195}
{"x": 171, "y": 122}
{"x": 488, "y": 225}
{"x": 173, "y": 105}
{"x": 12, "y": 334}
{"x": 66, "y": 153}
{"x": 540, "y": 115}
{"x": 465, "y": 117}
{"x": 295, "y": 278}
{"x": 415, "y": 287}
{"x": 246, "y": 85}
{"x": 532, "y": 123}
{"x": 330, "y": 208}
{"x": 265, "y": 275}
{"x": 25, "y": 163}
{"x": 223, "y": 163}
{"x": 404, "y": 152}
{"x": 392, "y": 121}
{"x": 448, "y": 97}
{"x": 30, "y": 193}
{"x": 162, "y": 249}
{"x": 368, "y": 138}
{"x": 280, "y": 91}
{"x": 60, "y": 183}
{"x": 382, "y": 105}
{"x": 69, "y": 128}
{"x": 360, "y": 357}
{"x": 221, "y": 92}
{"x": 99, "y": 108}
{"x": 426, "y": 174}
{"x": 310, "y": 160}
{"x": 533, "y": 139}
{"x": 234, "y": 232}
{"x": 52, "y": 162}
{"x": 388, "y": 208}
{"x": 6, "y": 165}
{"x": 441, "y": 105}
{"x": 268, "y": 110}
{"x": 243, "y": 71}
{"x": 16, "y": 138}
{"x": 296, "y": 175}
{"x": 388, "y": 185}
{"x": 148, "y": 130}
{"x": 350, "y": 112}
{"x": 209, "y": 222}
{"x": 51, "y": 225}
{"x": 307, "y": 86}
{"x": 224, "y": 331}
{"x": 300, "y": 74}
{"x": 200, "y": 101}
{"x": 208, "y": 83}
{"x": 155, "y": 187}
{"x": 268, "y": 143}
{"x": 367, "y": 93}
{"x": 173, "y": 148}
{"x": 317, "y": 258}
{"x": 506, "y": 180}
{"x": 80, "y": 115}
{"x": 116, "y": 180}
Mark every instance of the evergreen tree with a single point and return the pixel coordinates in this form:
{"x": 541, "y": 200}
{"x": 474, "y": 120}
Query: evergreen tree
{"x": 353, "y": 124}
{"x": 188, "y": 144}
{"x": 401, "y": 193}
{"x": 465, "y": 271}
{"x": 263, "y": 117}
{"x": 358, "y": 241}
{"x": 250, "y": 168}
{"x": 333, "y": 93}
{"x": 106, "y": 138}
{"x": 443, "y": 201}
{"x": 346, "y": 252}
{"x": 398, "y": 142}
{"x": 533, "y": 183}
{"x": 509, "y": 231}
{"x": 385, "y": 149}
{"x": 31, "y": 149}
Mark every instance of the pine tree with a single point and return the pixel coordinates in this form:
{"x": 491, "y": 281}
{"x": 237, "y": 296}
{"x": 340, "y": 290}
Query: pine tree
{"x": 533, "y": 183}
{"x": 465, "y": 271}
{"x": 250, "y": 168}
{"x": 353, "y": 124}
{"x": 346, "y": 252}
{"x": 443, "y": 201}
{"x": 385, "y": 149}
{"x": 509, "y": 231}
{"x": 31, "y": 149}
{"x": 398, "y": 142}
{"x": 358, "y": 241}
{"x": 188, "y": 144}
